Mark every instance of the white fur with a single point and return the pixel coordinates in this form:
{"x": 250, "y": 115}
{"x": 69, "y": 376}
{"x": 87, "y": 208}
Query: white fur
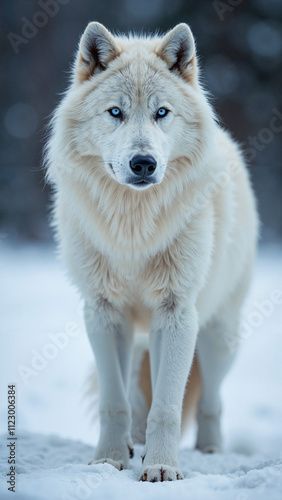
{"x": 179, "y": 252}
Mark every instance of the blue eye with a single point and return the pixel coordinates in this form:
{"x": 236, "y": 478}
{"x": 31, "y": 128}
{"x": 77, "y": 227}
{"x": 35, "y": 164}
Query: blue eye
{"x": 115, "y": 112}
{"x": 162, "y": 112}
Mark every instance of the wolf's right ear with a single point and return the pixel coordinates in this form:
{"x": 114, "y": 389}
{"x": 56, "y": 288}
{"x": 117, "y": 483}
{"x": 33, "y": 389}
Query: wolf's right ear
{"x": 177, "y": 49}
{"x": 97, "y": 48}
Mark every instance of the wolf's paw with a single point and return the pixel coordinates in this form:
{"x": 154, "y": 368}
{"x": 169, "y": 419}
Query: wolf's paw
{"x": 158, "y": 472}
{"x": 209, "y": 448}
{"x": 117, "y": 457}
{"x": 116, "y": 463}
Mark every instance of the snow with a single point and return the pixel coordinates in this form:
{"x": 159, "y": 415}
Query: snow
{"x": 45, "y": 353}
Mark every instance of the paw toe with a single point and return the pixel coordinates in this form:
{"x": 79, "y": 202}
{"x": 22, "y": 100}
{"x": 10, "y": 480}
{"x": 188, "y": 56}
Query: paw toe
{"x": 159, "y": 473}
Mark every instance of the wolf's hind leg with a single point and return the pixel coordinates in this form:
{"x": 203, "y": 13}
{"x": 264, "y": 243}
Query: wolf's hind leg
{"x": 215, "y": 354}
{"x": 140, "y": 388}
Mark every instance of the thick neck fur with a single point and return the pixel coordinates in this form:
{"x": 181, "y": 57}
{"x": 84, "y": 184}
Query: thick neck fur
{"x": 124, "y": 222}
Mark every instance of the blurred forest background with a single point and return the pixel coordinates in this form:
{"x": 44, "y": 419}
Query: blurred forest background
{"x": 240, "y": 48}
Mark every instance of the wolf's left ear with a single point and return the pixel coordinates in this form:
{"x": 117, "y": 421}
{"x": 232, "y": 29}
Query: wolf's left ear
{"x": 177, "y": 49}
{"x": 97, "y": 48}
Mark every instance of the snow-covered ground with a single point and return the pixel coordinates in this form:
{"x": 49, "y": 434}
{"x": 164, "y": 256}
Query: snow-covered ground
{"x": 45, "y": 353}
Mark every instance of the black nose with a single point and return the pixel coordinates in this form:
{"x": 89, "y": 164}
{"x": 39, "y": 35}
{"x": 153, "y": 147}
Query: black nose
{"x": 143, "y": 166}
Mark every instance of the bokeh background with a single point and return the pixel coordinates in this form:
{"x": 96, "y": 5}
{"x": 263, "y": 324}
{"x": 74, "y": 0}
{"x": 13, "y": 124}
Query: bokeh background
{"x": 240, "y": 50}
{"x": 240, "y": 47}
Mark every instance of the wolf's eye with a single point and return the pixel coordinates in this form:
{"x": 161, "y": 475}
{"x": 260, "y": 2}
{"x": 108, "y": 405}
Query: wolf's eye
{"x": 115, "y": 112}
{"x": 161, "y": 113}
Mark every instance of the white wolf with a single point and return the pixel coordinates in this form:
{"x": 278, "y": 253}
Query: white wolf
{"x": 157, "y": 224}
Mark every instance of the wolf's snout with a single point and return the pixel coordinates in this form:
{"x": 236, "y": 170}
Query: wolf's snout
{"x": 143, "y": 166}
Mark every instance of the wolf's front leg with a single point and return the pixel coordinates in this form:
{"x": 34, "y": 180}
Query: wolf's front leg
{"x": 173, "y": 338}
{"x": 110, "y": 335}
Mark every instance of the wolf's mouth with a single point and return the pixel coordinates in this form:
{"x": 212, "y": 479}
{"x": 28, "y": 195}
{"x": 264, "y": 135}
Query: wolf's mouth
{"x": 141, "y": 184}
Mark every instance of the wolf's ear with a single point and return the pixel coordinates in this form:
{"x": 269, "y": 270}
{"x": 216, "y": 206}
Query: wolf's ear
{"x": 177, "y": 49}
{"x": 97, "y": 48}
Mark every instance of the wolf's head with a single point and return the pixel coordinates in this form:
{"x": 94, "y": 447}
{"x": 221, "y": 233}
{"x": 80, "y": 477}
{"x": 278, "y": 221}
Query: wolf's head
{"x": 136, "y": 105}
